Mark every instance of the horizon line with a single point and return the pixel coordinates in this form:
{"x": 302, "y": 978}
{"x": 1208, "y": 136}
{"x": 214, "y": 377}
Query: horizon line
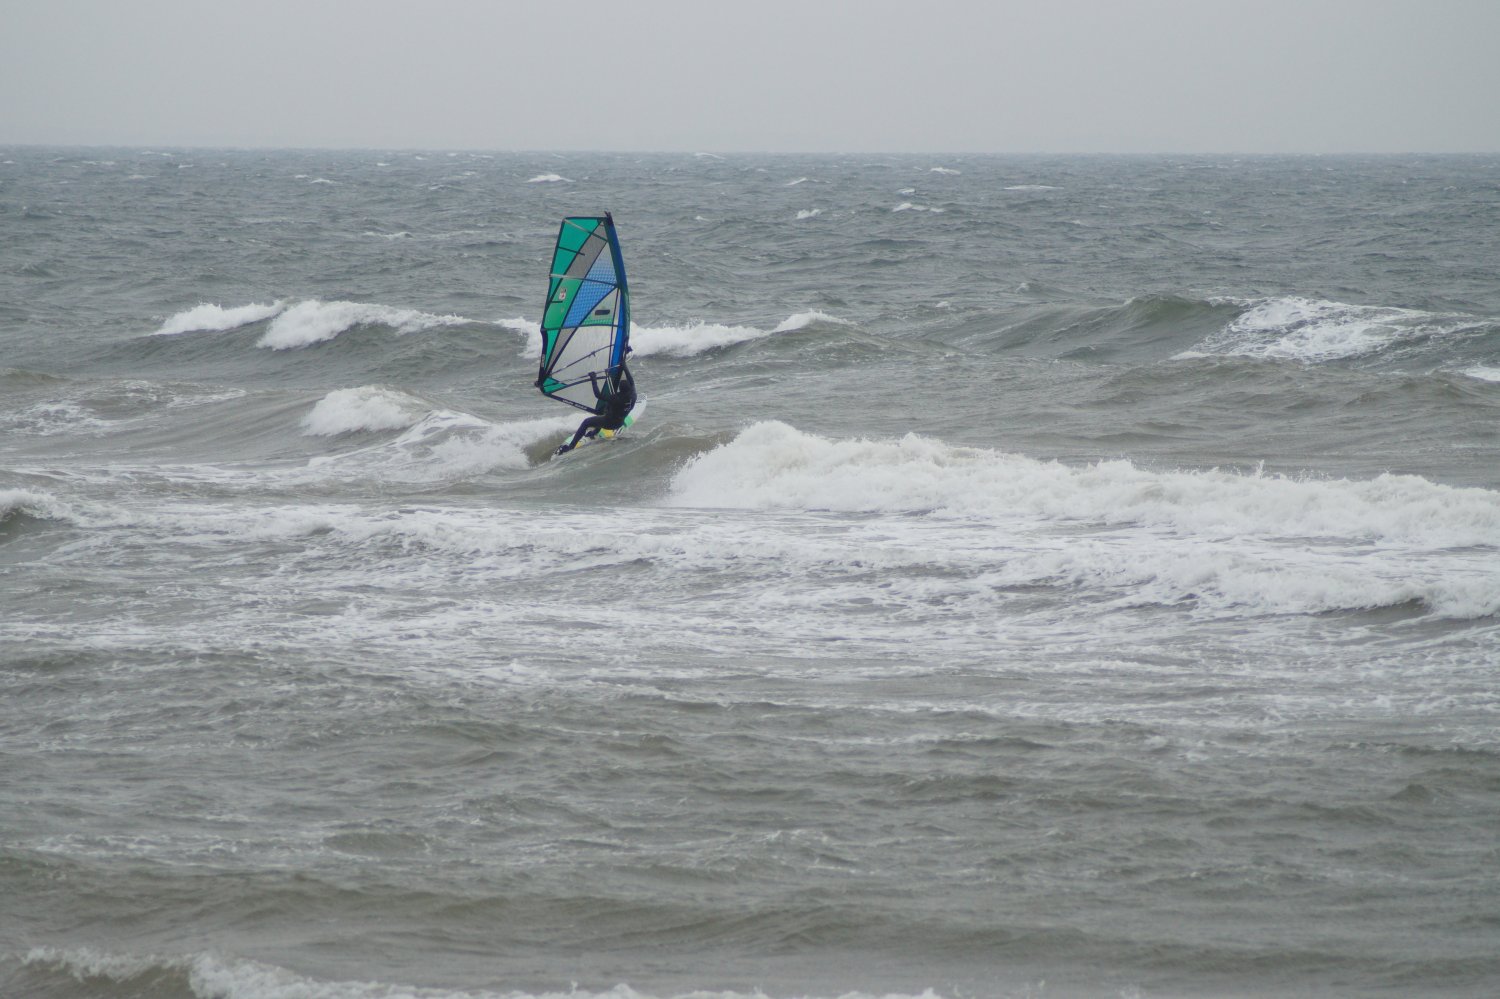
{"x": 481, "y": 150}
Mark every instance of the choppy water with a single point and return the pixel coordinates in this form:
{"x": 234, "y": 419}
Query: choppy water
{"x": 1034, "y": 576}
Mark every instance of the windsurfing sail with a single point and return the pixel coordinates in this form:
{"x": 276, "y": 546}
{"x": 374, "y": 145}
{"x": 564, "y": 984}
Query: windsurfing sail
{"x": 586, "y": 321}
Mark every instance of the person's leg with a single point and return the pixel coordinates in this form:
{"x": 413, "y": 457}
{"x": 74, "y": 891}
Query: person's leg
{"x": 592, "y": 423}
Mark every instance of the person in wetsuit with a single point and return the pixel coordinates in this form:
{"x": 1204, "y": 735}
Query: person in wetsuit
{"x": 617, "y": 405}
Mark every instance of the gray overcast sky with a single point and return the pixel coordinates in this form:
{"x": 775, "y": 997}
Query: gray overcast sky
{"x": 1312, "y": 76}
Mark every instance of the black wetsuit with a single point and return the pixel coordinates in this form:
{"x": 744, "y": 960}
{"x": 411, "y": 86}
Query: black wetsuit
{"x": 617, "y": 405}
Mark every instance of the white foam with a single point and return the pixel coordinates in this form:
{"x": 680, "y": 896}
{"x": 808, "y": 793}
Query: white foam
{"x": 368, "y": 408}
{"x": 687, "y": 341}
{"x": 212, "y": 976}
{"x": 799, "y": 320}
{"x": 696, "y": 339}
{"x": 549, "y": 178}
{"x": 31, "y": 504}
{"x": 681, "y": 341}
{"x": 1315, "y": 331}
{"x": 209, "y": 317}
{"x": 315, "y": 321}
{"x": 907, "y": 206}
{"x": 809, "y": 213}
{"x": 519, "y": 324}
{"x": 1483, "y": 372}
{"x": 441, "y": 446}
{"x": 1223, "y": 542}
{"x": 59, "y": 417}
{"x": 772, "y": 465}
{"x": 948, "y": 171}
{"x": 1236, "y": 576}
{"x": 794, "y": 183}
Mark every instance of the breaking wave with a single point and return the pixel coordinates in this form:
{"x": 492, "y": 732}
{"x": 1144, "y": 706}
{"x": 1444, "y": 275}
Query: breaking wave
{"x": 17, "y": 503}
{"x": 368, "y": 408}
{"x": 217, "y": 319}
{"x": 1315, "y": 331}
{"x": 771, "y": 465}
{"x": 684, "y": 341}
{"x": 314, "y": 321}
{"x": 303, "y": 324}
{"x": 439, "y": 445}
{"x": 211, "y": 976}
{"x": 1273, "y": 543}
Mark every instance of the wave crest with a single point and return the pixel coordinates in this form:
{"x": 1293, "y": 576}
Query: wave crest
{"x": 1273, "y": 543}
{"x": 211, "y": 976}
{"x": 1316, "y": 331}
{"x": 15, "y": 503}
{"x": 315, "y": 321}
{"x": 211, "y": 318}
{"x": 439, "y": 446}
{"x": 684, "y": 341}
{"x": 368, "y": 408}
{"x": 303, "y": 324}
{"x": 772, "y": 465}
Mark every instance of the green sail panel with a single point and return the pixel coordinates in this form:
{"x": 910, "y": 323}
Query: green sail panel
{"x": 586, "y": 320}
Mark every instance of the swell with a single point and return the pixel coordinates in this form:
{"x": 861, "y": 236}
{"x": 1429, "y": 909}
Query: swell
{"x": 877, "y": 952}
{"x": 1220, "y": 542}
{"x": 1139, "y": 330}
{"x": 1313, "y": 331}
{"x": 89, "y": 973}
{"x": 1287, "y": 329}
{"x": 1237, "y": 410}
{"x": 367, "y": 347}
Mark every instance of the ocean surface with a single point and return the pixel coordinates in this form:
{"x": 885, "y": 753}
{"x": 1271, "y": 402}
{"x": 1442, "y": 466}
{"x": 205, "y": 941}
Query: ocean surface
{"x": 1034, "y": 576}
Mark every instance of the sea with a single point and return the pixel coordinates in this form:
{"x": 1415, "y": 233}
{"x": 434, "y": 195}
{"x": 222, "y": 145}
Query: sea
{"x": 1034, "y": 576}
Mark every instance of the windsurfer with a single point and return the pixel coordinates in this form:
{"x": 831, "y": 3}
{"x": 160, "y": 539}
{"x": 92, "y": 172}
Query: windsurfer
{"x": 617, "y": 404}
